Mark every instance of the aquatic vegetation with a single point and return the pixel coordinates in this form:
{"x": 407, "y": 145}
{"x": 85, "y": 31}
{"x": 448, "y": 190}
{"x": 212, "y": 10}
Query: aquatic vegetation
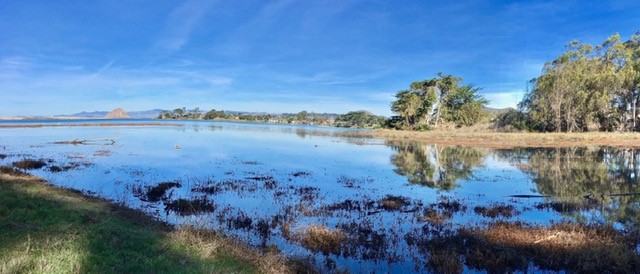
{"x": 301, "y": 174}
{"x": 354, "y": 182}
{"x": 30, "y": 164}
{"x": 494, "y": 211}
{"x": 392, "y": 203}
{"x": 322, "y": 239}
{"x": 102, "y": 152}
{"x": 268, "y": 180}
{"x": 568, "y": 206}
{"x": 67, "y": 167}
{"x": 155, "y": 193}
{"x": 9, "y": 170}
{"x": 190, "y": 207}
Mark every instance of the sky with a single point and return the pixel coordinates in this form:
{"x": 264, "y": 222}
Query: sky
{"x": 63, "y": 57}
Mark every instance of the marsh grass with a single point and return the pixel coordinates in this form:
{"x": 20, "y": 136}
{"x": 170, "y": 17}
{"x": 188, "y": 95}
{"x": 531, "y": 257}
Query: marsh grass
{"x": 496, "y": 210}
{"x": 52, "y": 230}
{"x": 505, "y": 247}
{"x": 27, "y": 164}
{"x": 322, "y": 239}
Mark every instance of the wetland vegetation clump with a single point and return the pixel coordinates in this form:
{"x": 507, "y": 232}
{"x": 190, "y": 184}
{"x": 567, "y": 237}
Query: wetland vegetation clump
{"x": 567, "y": 206}
{"x": 514, "y": 247}
{"x": 72, "y": 165}
{"x": 321, "y": 239}
{"x": 301, "y": 174}
{"x": 434, "y": 216}
{"x": 9, "y": 170}
{"x": 498, "y": 210}
{"x": 565, "y": 246}
{"x": 102, "y": 152}
{"x": 185, "y": 207}
{"x": 354, "y": 182}
{"x": 26, "y": 164}
{"x": 155, "y": 193}
{"x": 394, "y": 203}
{"x": 268, "y": 180}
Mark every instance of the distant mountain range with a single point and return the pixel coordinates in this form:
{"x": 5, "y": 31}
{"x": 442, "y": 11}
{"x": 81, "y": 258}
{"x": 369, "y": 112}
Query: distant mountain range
{"x": 154, "y": 113}
{"x": 145, "y": 114}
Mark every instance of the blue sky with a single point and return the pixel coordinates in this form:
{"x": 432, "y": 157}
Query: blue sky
{"x": 61, "y": 57}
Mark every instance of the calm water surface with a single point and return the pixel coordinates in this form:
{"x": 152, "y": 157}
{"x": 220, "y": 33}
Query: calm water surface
{"x": 267, "y": 184}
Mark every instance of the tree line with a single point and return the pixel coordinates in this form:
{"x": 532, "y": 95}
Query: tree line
{"x": 586, "y": 88}
{"x": 355, "y": 119}
{"x": 425, "y": 105}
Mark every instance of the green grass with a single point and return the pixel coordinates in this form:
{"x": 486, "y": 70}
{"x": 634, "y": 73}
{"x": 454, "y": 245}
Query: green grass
{"x": 52, "y": 230}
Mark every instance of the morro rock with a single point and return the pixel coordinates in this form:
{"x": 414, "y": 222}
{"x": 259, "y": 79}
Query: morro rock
{"x": 117, "y": 113}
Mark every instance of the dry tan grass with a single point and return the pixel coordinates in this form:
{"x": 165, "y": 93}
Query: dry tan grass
{"x": 322, "y": 239}
{"x": 567, "y": 246}
{"x": 492, "y": 139}
{"x": 211, "y": 245}
{"x": 561, "y": 237}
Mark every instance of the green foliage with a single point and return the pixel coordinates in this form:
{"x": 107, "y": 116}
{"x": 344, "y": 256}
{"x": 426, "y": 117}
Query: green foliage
{"x": 511, "y": 120}
{"x": 465, "y": 107}
{"x": 181, "y": 113}
{"x": 430, "y": 102}
{"x": 587, "y": 88}
{"x": 215, "y": 114}
{"x": 302, "y": 115}
{"x": 360, "y": 119}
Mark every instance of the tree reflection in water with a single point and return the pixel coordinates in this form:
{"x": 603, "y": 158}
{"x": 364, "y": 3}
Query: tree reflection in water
{"x": 436, "y": 166}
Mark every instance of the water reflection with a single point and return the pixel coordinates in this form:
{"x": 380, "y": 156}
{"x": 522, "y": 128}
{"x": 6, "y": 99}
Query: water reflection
{"x": 434, "y": 166}
{"x": 344, "y": 201}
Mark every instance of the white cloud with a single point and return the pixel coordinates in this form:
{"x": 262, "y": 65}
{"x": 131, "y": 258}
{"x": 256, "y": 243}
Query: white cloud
{"x": 504, "y": 99}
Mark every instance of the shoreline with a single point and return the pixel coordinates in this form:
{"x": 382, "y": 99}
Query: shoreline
{"x": 475, "y": 137}
{"x": 488, "y": 139}
{"x": 56, "y": 229}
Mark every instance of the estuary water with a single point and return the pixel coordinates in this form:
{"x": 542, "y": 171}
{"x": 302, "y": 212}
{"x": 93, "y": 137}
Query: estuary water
{"x": 279, "y": 186}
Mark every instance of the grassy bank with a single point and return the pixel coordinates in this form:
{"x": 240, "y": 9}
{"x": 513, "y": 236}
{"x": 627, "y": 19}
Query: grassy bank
{"x": 53, "y": 230}
{"x": 487, "y": 138}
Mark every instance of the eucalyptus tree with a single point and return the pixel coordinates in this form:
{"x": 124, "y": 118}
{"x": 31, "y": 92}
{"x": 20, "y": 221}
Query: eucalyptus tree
{"x": 587, "y": 88}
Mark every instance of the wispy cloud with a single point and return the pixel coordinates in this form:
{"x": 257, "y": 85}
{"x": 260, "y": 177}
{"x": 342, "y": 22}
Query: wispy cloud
{"x": 103, "y": 68}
